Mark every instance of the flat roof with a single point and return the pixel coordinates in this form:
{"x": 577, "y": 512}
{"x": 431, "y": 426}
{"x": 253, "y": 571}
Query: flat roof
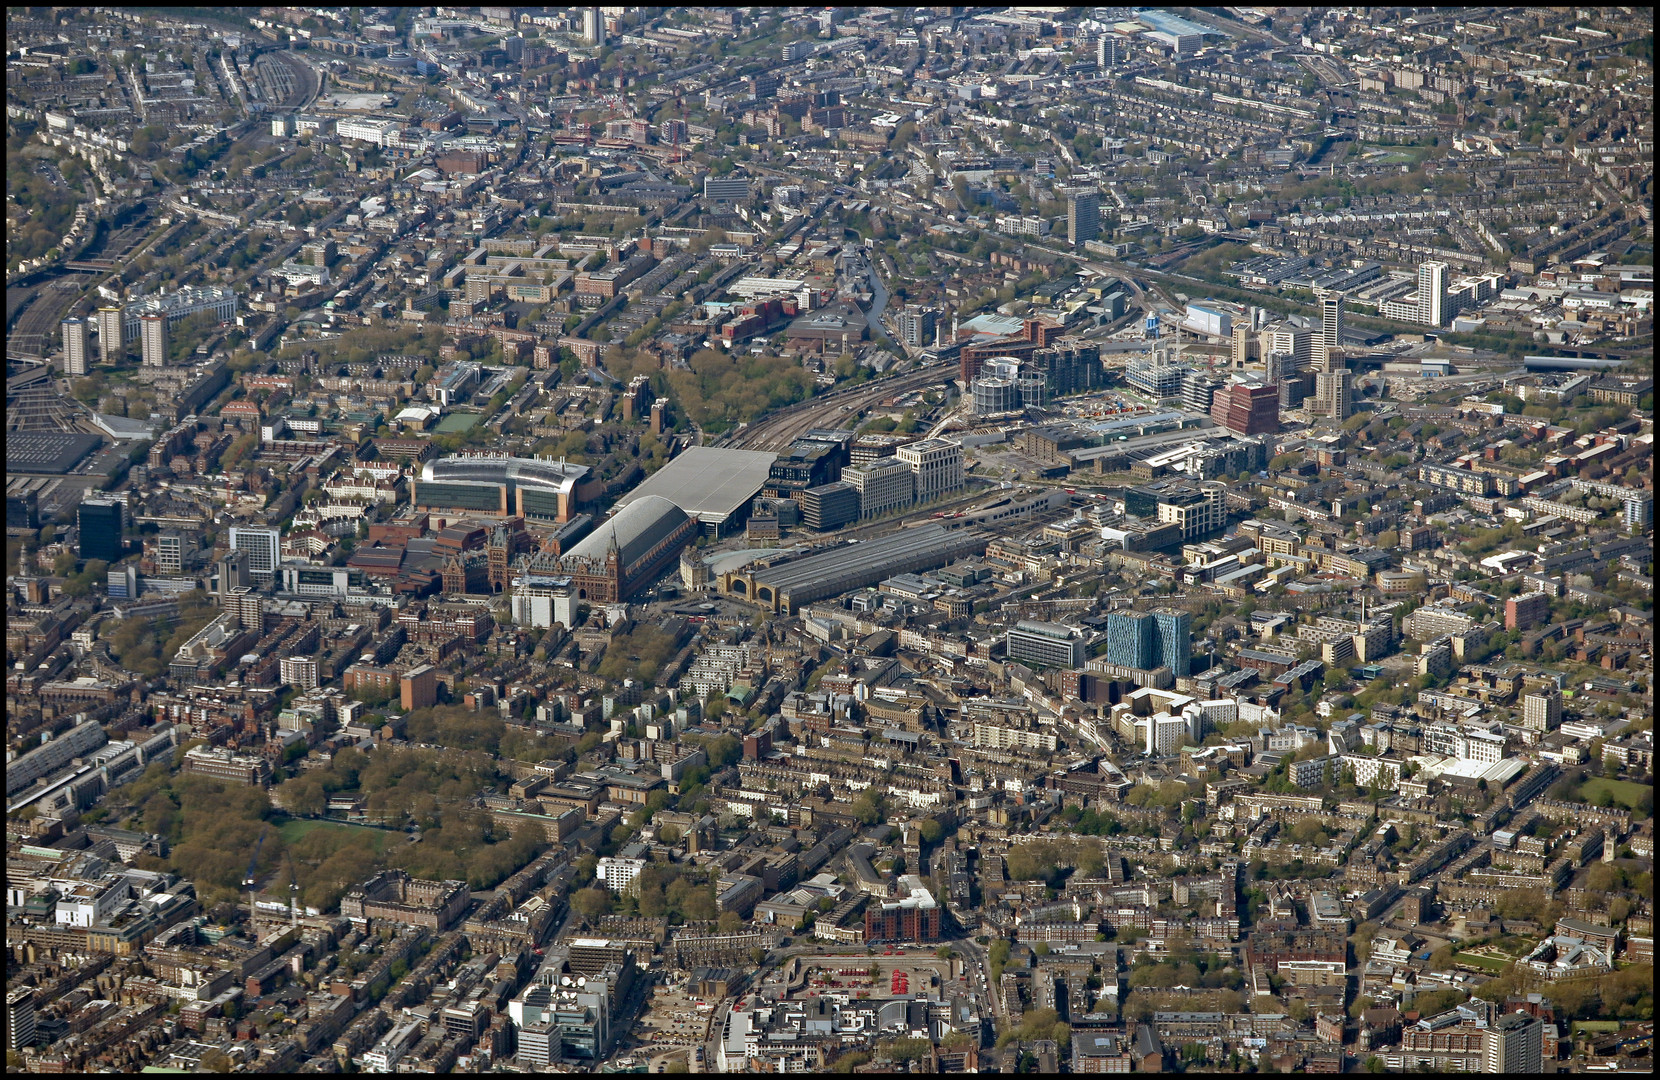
{"x": 709, "y": 483}
{"x": 53, "y": 452}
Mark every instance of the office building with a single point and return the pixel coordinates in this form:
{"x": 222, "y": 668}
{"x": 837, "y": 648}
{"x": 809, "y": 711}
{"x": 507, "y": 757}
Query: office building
{"x": 112, "y": 341}
{"x": 883, "y": 485}
{"x": 262, "y": 545}
{"x": 830, "y": 506}
{"x": 1173, "y": 631}
{"x": 1432, "y": 293}
{"x": 1197, "y": 510}
{"x": 384, "y": 1056}
{"x": 1247, "y": 410}
{"x": 1515, "y": 1043}
{"x": 1083, "y": 216}
{"x": 936, "y": 465}
{"x": 730, "y": 187}
{"x": 121, "y": 583}
{"x": 1331, "y": 332}
{"x": 1045, "y": 644}
{"x": 101, "y": 522}
{"x": 181, "y": 304}
{"x": 152, "y": 340}
{"x": 1132, "y": 639}
{"x": 77, "y": 350}
{"x": 23, "y": 510}
{"x": 1542, "y": 709}
{"x": 167, "y": 552}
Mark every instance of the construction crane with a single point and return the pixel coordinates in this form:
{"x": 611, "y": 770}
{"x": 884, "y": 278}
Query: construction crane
{"x": 248, "y": 878}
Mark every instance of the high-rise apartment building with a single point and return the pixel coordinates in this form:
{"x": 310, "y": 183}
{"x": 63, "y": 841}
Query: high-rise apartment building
{"x": 1542, "y": 709}
{"x": 1334, "y": 394}
{"x": 20, "y": 1018}
{"x": 1111, "y": 50}
{"x": 1174, "y": 634}
{"x": 1277, "y": 368}
{"x": 1285, "y": 338}
{"x": 262, "y": 545}
{"x": 1514, "y": 1043}
{"x": 619, "y": 874}
{"x": 1331, "y": 331}
{"x": 916, "y": 326}
{"x": 1432, "y": 293}
{"x": 1083, "y": 216}
{"x": 152, "y": 340}
{"x": 112, "y": 341}
{"x": 1132, "y": 639}
{"x": 300, "y": 672}
{"x": 77, "y": 349}
{"x": 100, "y": 522}
{"x": 1245, "y": 347}
{"x": 418, "y": 688}
{"x": 1199, "y": 391}
{"x": 1526, "y": 611}
{"x": 233, "y": 573}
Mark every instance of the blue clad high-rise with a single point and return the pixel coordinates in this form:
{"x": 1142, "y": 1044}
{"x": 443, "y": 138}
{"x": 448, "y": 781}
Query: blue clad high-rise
{"x": 1132, "y": 639}
{"x": 1175, "y": 641}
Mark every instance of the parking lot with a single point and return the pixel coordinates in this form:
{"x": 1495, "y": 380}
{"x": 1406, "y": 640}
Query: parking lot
{"x": 922, "y": 972}
{"x": 673, "y": 1019}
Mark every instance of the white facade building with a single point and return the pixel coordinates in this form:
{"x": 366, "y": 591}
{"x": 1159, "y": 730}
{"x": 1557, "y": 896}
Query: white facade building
{"x": 937, "y": 465}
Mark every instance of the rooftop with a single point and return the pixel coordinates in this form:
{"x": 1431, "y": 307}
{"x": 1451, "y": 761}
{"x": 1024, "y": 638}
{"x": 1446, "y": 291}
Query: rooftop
{"x": 709, "y": 483}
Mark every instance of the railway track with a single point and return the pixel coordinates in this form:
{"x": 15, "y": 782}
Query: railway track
{"x": 780, "y": 429}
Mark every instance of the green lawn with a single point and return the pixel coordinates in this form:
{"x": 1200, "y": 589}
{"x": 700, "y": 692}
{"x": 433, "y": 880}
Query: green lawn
{"x": 1487, "y": 963}
{"x": 1624, "y": 792}
{"x": 1596, "y": 1025}
{"x": 457, "y": 421}
{"x": 294, "y": 828}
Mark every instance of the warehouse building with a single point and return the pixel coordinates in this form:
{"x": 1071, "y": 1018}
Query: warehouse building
{"x": 786, "y": 586}
{"x": 711, "y": 485}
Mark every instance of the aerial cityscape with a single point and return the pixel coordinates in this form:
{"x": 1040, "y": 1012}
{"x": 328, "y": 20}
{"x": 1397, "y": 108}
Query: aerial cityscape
{"x": 829, "y": 539}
